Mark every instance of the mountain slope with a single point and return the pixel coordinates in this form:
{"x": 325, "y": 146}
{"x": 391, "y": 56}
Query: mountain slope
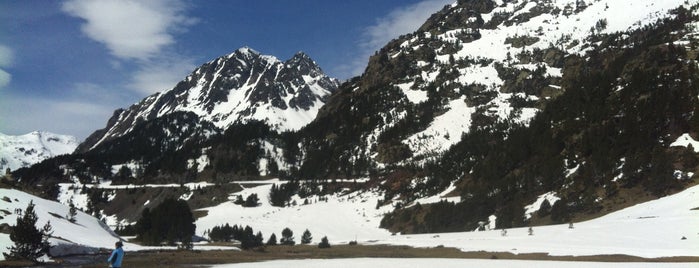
{"x": 233, "y": 89}
{"x": 471, "y": 65}
{"x": 25, "y": 150}
{"x": 508, "y": 100}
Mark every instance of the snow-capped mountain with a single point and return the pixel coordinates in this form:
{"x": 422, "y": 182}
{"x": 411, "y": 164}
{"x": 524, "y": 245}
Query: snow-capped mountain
{"x": 242, "y": 86}
{"x": 25, "y": 150}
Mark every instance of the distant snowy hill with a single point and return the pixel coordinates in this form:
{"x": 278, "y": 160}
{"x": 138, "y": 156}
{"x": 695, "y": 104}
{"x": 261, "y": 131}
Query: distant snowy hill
{"x": 242, "y": 86}
{"x": 25, "y": 150}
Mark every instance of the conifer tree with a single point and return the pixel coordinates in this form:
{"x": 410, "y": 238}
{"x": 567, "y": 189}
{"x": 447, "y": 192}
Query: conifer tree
{"x": 272, "y": 241}
{"x": 287, "y": 237}
{"x": 544, "y": 208}
{"x": 30, "y": 242}
{"x": 324, "y": 242}
{"x": 72, "y": 212}
{"x": 306, "y": 238}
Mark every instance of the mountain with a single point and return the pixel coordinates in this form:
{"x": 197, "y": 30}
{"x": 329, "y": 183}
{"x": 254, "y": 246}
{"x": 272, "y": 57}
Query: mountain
{"x": 233, "y": 89}
{"x": 489, "y": 104}
{"x": 507, "y": 100}
{"x": 25, "y": 150}
{"x": 471, "y": 66}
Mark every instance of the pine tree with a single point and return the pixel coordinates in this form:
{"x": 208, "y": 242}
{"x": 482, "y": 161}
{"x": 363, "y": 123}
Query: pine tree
{"x": 544, "y": 208}
{"x": 324, "y": 242}
{"x": 72, "y": 212}
{"x": 30, "y": 242}
{"x": 306, "y": 238}
{"x": 272, "y": 241}
{"x": 251, "y": 201}
{"x": 287, "y": 237}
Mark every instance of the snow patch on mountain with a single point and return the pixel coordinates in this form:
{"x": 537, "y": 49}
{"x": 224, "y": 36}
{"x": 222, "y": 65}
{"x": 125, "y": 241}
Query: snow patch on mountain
{"x": 532, "y": 208}
{"x": 445, "y": 130}
{"x": 685, "y": 141}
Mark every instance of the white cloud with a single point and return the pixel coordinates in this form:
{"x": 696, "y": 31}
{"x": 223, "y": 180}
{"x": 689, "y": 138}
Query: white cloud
{"x": 131, "y": 29}
{"x": 5, "y": 78}
{"x": 140, "y": 31}
{"x": 398, "y": 22}
{"x": 161, "y": 75}
{"x": 6, "y": 58}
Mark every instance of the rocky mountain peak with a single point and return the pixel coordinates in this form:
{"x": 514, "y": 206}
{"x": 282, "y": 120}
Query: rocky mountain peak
{"x": 241, "y": 86}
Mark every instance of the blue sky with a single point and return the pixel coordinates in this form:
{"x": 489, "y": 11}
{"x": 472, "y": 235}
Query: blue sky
{"x": 65, "y": 66}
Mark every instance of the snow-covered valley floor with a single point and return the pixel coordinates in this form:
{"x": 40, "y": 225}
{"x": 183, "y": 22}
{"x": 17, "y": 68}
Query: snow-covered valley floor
{"x": 447, "y": 263}
{"x": 650, "y": 230}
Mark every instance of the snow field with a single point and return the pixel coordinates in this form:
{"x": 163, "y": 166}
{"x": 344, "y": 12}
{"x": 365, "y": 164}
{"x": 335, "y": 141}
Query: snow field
{"x": 653, "y": 229}
{"x": 445, "y": 263}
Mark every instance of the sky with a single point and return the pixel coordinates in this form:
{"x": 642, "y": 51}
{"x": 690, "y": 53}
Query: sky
{"x": 65, "y": 66}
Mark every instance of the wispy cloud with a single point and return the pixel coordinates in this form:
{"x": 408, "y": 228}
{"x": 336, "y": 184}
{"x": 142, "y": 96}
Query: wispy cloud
{"x": 397, "y": 22}
{"x": 139, "y": 32}
{"x": 131, "y": 29}
{"x": 160, "y": 75}
{"x": 6, "y": 58}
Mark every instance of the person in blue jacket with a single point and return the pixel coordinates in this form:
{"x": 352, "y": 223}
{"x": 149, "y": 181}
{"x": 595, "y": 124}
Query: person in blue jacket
{"x": 117, "y": 255}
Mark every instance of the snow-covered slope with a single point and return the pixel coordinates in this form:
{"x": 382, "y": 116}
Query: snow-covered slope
{"x": 86, "y": 235}
{"x": 663, "y": 227}
{"x": 236, "y": 88}
{"x": 25, "y": 150}
{"x": 651, "y": 229}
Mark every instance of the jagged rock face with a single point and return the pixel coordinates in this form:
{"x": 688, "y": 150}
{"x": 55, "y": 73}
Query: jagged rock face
{"x": 235, "y": 88}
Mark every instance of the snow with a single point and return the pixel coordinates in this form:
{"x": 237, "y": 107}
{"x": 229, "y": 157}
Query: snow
{"x": 445, "y": 130}
{"x": 444, "y": 263}
{"x": 685, "y": 141}
{"x": 93, "y": 233}
{"x": 652, "y": 229}
{"x": 534, "y": 207}
{"x": 414, "y": 96}
{"x": 341, "y": 218}
{"x": 440, "y": 197}
{"x": 28, "y": 149}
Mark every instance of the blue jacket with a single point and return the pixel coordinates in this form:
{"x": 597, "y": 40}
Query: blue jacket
{"x": 116, "y": 257}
